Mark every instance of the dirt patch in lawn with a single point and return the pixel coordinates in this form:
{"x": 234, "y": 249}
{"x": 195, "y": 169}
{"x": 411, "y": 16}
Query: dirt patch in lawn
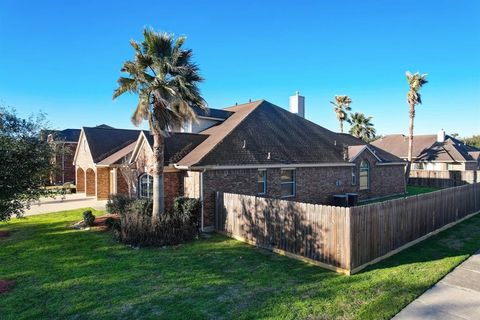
{"x": 4, "y": 234}
{"x": 99, "y": 223}
{"x": 6, "y": 285}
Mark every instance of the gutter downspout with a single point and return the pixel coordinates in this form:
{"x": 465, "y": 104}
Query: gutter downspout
{"x": 201, "y": 199}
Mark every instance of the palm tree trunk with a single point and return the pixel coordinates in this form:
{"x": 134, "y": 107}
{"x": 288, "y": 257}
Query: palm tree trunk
{"x": 158, "y": 186}
{"x": 410, "y": 143}
{"x": 341, "y": 126}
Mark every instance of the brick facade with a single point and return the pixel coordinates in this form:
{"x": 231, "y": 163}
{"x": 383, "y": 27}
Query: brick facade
{"x": 80, "y": 180}
{"x": 313, "y": 184}
{"x": 63, "y": 161}
{"x": 90, "y": 183}
{"x": 103, "y": 183}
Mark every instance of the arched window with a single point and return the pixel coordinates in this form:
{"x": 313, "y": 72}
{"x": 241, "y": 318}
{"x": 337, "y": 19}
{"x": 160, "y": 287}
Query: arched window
{"x": 364, "y": 175}
{"x": 145, "y": 186}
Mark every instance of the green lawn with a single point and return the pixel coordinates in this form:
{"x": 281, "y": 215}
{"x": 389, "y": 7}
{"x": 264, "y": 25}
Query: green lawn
{"x": 411, "y": 191}
{"x": 70, "y": 274}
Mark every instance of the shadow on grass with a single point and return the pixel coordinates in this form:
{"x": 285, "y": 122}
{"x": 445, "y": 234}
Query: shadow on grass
{"x": 64, "y": 273}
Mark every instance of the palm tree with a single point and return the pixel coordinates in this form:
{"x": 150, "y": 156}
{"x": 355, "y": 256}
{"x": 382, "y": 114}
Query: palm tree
{"x": 165, "y": 80}
{"x": 415, "y": 83}
{"x": 341, "y": 106}
{"x": 361, "y": 127}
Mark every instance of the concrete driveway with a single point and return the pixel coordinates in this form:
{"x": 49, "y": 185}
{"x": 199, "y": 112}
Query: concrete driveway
{"x": 68, "y": 202}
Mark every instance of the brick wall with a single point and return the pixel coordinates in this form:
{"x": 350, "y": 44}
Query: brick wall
{"x": 103, "y": 183}
{"x": 384, "y": 180}
{"x": 80, "y": 180}
{"x": 90, "y": 182}
{"x": 122, "y": 186}
{"x": 313, "y": 185}
{"x": 173, "y": 182}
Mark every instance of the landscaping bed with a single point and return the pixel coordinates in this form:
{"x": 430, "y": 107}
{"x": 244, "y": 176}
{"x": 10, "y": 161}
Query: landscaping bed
{"x": 64, "y": 273}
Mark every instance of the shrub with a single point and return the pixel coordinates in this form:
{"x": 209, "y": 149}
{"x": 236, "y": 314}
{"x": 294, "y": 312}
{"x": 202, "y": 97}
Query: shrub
{"x": 118, "y": 203}
{"x": 88, "y": 218}
{"x": 174, "y": 227}
{"x": 109, "y": 222}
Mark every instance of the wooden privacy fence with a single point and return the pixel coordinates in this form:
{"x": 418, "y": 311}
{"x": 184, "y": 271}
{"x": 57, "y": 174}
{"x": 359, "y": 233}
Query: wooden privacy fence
{"x": 442, "y": 179}
{"x": 343, "y": 239}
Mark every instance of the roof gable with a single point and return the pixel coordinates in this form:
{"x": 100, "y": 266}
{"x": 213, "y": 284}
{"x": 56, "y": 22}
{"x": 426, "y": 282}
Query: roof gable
{"x": 104, "y": 141}
{"x": 426, "y": 148}
{"x": 176, "y": 145}
{"x": 260, "y": 133}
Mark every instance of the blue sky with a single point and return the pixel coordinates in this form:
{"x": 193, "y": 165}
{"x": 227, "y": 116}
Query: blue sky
{"x": 64, "y": 58}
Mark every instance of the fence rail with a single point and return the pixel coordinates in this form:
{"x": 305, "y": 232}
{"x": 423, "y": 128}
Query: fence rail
{"x": 342, "y": 239}
{"x": 443, "y": 179}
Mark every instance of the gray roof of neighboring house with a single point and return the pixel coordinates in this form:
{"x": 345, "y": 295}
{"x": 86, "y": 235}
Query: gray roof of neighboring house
{"x": 259, "y": 133}
{"x": 426, "y": 148}
{"x": 67, "y": 135}
{"x": 104, "y": 141}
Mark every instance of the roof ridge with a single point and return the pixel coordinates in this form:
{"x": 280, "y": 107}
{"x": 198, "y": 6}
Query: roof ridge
{"x": 242, "y": 104}
{"x": 227, "y": 121}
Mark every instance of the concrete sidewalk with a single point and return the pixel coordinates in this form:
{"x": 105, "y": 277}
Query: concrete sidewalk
{"x": 68, "y": 202}
{"x": 455, "y": 297}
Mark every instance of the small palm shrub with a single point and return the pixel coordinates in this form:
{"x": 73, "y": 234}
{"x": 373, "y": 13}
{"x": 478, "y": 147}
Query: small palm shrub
{"x": 177, "y": 226}
{"x": 88, "y": 218}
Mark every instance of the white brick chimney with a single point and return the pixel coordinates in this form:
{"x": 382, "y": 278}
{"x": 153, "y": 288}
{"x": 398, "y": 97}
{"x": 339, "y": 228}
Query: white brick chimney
{"x": 441, "y": 136}
{"x": 297, "y": 104}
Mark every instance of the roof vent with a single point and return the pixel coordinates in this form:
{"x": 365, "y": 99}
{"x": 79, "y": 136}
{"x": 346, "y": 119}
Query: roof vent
{"x": 268, "y": 156}
{"x": 244, "y": 144}
{"x": 334, "y": 142}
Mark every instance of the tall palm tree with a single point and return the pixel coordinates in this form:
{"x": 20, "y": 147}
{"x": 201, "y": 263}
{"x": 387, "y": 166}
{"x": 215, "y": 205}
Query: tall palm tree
{"x": 415, "y": 83}
{"x": 361, "y": 126}
{"x": 341, "y": 106}
{"x": 165, "y": 80}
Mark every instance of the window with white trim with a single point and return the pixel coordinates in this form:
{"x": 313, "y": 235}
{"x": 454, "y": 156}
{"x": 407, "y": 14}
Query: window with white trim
{"x": 262, "y": 181}
{"x": 354, "y": 176}
{"x": 145, "y": 186}
{"x": 287, "y": 182}
{"x": 364, "y": 176}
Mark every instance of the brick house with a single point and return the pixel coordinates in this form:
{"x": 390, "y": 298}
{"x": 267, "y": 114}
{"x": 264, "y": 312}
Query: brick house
{"x": 101, "y": 153}
{"x": 64, "y": 144}
{"x": 432, "y": 152}
{"x": 262, "y": 149}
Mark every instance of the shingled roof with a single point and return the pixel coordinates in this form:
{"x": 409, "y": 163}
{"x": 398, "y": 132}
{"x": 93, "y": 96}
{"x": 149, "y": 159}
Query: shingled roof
{"x": 105, "y": 141}
{"x": 260, "y": 133}
{"x": 426, "y": 148}
{"x": 177, "y": 144}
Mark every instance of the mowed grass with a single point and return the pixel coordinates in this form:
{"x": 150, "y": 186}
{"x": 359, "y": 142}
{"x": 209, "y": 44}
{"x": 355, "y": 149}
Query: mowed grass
{"x": 414, "y": 190}
{"x": 70, "y": 274}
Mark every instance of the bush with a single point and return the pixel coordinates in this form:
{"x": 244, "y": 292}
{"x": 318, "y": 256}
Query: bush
{"x": 177, "y": 226}
{"x": 88, "y": 218}
{"x": 118, "y": 203}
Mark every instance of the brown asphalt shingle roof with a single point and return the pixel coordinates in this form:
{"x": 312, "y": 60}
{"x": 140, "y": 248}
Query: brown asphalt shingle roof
{"x": 261, "y": 133}
{"x": 177, "y": 144}
{"x": 104, "y": 141}
{"x": 426, "y": 148}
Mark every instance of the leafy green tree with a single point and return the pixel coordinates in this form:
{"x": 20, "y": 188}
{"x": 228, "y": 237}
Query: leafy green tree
{"x": 26, "y": 162}
{"x": 166, "y": 81}
{"x": 361, "y": 126}
{"x": 473, "y": 141}
{"x": 415, "y": 82}
{"x": 341, "y": 106}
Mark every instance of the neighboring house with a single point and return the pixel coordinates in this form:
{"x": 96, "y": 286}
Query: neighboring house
{"x": 100, "y": 152}
{"x": 262, "y": 149}
{"x": 439, "y": 152}
{"x": 64, "y": 143}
